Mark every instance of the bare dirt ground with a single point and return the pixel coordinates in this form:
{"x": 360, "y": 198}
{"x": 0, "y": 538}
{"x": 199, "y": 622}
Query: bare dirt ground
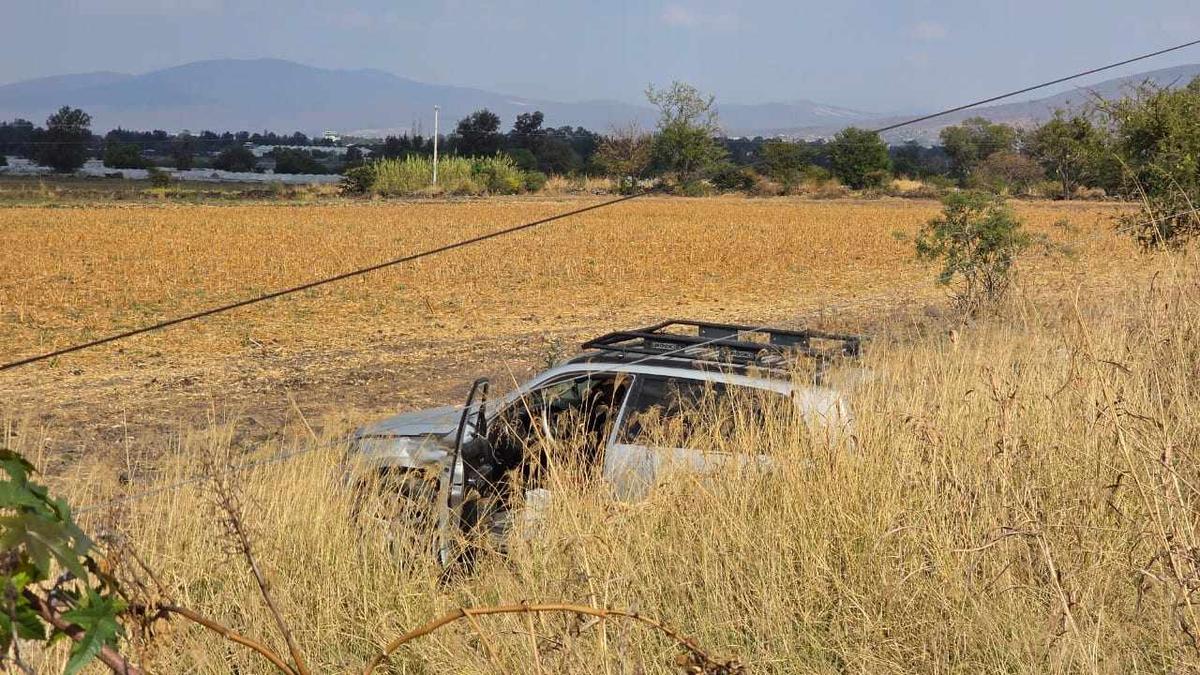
{"x": 406, "y": 338}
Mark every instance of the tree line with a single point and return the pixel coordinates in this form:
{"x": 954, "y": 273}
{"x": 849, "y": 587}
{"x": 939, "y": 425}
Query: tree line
{"x": 1145, "y": 143}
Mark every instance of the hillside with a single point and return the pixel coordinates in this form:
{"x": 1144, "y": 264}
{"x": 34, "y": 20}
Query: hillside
{"x": 1019, "y": 113}
{"x": 286, "y": 96}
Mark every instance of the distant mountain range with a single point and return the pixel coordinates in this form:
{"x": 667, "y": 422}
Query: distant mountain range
{"x": 1030, "y": 112}
{"x": 284, "y": 96}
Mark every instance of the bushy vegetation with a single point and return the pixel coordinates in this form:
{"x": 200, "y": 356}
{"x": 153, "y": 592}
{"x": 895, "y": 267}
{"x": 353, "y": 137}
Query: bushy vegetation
{"x": 237, "y": 159}
{"x": 1143, "y": 146}
{"x": 1157, "y": 136}
{"x": 859, "y": 158}
{"x": 289, "y": 160}
{"x": 118, "y": 155}
{"x": 413, "y": 175}
{"x": 976, "y": 240}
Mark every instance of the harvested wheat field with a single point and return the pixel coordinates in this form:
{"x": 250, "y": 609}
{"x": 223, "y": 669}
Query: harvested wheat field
{"x": 417, "y": 333}
{"x": 1018, "y": 494}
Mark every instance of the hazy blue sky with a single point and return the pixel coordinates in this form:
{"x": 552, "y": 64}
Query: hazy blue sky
{"x": 878, "y": 56}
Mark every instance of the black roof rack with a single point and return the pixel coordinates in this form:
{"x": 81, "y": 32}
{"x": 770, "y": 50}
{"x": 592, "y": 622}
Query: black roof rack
{"x": 727, "y": 343}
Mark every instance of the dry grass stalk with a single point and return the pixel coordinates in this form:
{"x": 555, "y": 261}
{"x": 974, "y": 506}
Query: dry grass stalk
{"x": 234, "y": 523}
{"x": 1002, "y": 487}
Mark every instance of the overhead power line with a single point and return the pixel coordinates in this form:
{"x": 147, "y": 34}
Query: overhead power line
{"x": 287, "y": 456}
{"x": 1035, "y": 87}
{"x": 518, "y": 228}
{"x": 319, "y": 282}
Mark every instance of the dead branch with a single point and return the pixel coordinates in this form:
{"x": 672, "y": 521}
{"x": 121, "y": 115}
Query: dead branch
{"x": 107, "y": 655}
{"x": 698, "y": 656}
{"x": 236, "y": 528}
{"x": 225, "y": 632}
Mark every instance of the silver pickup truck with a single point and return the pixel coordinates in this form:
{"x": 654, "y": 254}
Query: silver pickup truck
{"x": 597, "y": 404}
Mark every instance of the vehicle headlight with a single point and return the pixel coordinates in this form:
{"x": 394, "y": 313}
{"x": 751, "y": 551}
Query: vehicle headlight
{"x": 411, "y": 451}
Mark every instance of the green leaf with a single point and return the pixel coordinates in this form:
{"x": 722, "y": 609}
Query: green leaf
{"x": 14, "y": 495}
{"x": 44, "y": 539}
{"x": 97, "y": 616}
{"x": 15, "y": 465}
{"x": 29, "y": 624}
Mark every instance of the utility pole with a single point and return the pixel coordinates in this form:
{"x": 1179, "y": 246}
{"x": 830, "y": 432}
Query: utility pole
{"x": 435, "y": 142}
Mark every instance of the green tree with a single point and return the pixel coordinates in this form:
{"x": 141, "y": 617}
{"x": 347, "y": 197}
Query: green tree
{"x": 973, "y": 141}
{"x": 527, "y": 131}
{"x": 183, "y": 151}
{"x": 916, "y": 161}
{"x": 556, "y": 156}
{"x": 685, "y": 145}
{"x": 290, "y": 160}
{"x": 523, "y": 158}
{"x": 66, "y": 139}
{"x": 859, "y": 158}
{"x": 118, "y": 155}
{"x": 1157, "y": 136}
{"x": 977, "y": 240}
{"x": 784, "y": 162}
{"x": 236, "y": 158}
{"x": 1074, "y": 150}
{"x": 15, "y": 137}
{"x": 354, "y": 157}
{"x": 478, "y": 134}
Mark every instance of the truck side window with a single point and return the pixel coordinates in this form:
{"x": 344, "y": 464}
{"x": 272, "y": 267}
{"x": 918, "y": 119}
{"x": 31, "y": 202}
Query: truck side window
{"x": 670, "y": 412}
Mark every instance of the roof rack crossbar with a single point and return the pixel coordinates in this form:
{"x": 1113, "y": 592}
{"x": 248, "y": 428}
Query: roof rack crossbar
{"x": 725, "y": 343}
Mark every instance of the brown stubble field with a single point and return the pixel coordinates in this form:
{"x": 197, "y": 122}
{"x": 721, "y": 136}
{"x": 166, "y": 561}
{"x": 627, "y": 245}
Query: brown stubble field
{"x": 416, "y": 334}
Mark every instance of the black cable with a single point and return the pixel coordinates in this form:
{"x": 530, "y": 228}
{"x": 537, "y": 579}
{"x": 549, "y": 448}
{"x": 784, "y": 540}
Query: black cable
{"x": 319, "y": 282}
{"x": 1034, "y": 87}
{"x": 518, "y": 228}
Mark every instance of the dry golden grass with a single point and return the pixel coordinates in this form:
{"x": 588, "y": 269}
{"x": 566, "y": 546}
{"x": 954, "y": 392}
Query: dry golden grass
{"x": 71, "y": 274}
{"x": 1020, "y": 496}
{"x": 565, "y": 185}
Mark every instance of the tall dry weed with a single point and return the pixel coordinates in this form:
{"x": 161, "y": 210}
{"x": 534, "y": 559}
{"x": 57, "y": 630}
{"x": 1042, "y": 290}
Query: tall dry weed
{"x": 1021, "y": 497}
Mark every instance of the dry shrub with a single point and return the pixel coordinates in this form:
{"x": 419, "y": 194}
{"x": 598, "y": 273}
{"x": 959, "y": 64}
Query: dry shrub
{"x": 575, "y": 185}
{"x": 1096, "y": 193}
{"x": 826, "y": 189}
{"x": 1019, "y": 497}
{"x": 765, "y": 187}
{"x": 902, "y": 185}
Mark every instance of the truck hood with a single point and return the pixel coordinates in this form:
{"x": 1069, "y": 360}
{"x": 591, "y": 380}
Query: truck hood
{"x": 413, "y": 440}
{"x": 431, "y": 422}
